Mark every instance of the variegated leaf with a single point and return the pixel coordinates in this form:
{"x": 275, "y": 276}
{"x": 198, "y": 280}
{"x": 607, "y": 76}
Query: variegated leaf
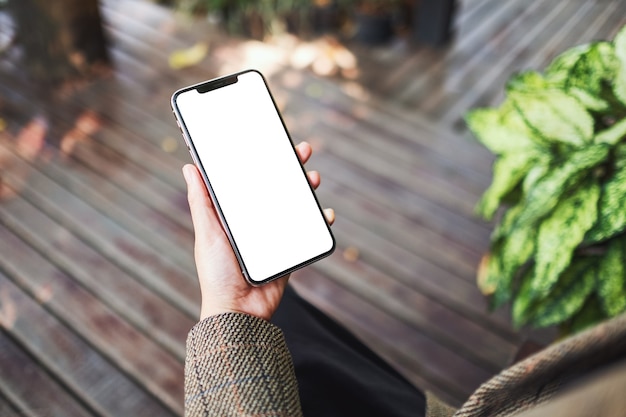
{"x": 523, "y": 302}
{"x": 593, "y": 68}
{"x": 528, "y": 81}
{"x": 508, "y": 222}
{"x": 560, "y": 233}
{"x": 589, "y": 100}
{"x": 499, "y": 130}
{"x": 568, "y": 296}
{"x": 516, "y": 250}
{"x": 508, "y": 171}
{"x": 619, "y": 85}
{"x": 590, "y": 314}
{"x": 559, "y": 70}
{"x": 612, "y": 278}
{"x": 612, "y": 213}
{"x": 613, "y": 134}
{"x": 554, "y": 116}
{"x": 547, "y": 191}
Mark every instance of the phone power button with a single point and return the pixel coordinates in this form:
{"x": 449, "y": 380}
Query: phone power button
{"x": 181, "y": 131}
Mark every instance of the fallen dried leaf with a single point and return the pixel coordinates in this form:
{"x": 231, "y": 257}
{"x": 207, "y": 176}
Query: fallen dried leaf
{"x": 351, "y": 254}
{"x": 184, "y": 58}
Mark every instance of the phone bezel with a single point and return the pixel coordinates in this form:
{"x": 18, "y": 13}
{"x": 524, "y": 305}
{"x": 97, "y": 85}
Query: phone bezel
{"x": 221, "y": 82}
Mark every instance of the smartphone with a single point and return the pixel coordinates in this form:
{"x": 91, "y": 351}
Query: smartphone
{"x": 267, "y": 207}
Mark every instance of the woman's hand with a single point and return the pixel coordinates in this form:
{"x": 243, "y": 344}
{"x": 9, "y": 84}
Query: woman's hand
{"x": 222, "y": 285}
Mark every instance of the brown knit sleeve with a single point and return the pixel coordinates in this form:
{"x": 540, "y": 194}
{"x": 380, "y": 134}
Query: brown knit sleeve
{"x": 239, "y": 365}
{"x": 436, "y": 407}
{"x": 540, "y": 377}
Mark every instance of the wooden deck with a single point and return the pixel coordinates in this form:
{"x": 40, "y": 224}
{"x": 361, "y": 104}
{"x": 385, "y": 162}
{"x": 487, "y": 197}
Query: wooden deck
{"x": 97, "y": 281}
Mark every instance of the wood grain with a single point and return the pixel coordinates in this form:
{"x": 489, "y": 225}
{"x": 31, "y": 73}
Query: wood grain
{"x": 97, "y": 279}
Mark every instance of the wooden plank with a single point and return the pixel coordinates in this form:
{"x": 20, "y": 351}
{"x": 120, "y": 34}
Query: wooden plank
{"x": 106, "y": 152}
{"x": 553, "y": 46}
{"x": 7, "y": 409}
{"x": 431, "y": 187}
{"x": 455, "y": 293}
{"x": 512, "y": 42}
{"x": 130, "y": 350}
{"x": 380, "y": 141}
{"x": 389, "y": 225}
{"x": 448, "y": 224}
{"x": 442, "y": 84}
{"x": 446, "y": 186}
{"x": 507, "y": 45}
{"x": 155, "y": 229}
{"x": 470, "y": 27}
{"x": 451, "y": 329}
{"x": 166, "y": 199}
{"x": 67, "y": 358}
{"x": 29, "y": 388}
{"x": 600, "y": 22}
{"x": 119, "y": 203}
{"x": 492, "y": 75}
{"x": 469, "y": 10}
{"x": 167, "y": 30}
{"x": 423, "y": 79}
{"x": 113, "y": 286}
{"x": 125, "y": 250}
{"x": 113, "y": 283}
{"x": 145, "y": 120}
{"x": 367, "y": 126}
{"x": 395, "y": 124}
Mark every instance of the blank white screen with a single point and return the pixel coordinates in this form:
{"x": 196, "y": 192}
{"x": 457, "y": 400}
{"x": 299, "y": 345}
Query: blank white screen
{"x": 255, "y": 175}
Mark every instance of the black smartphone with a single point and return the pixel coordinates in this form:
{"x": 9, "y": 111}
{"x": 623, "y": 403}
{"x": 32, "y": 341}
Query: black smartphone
{"x": 239, "y": 141}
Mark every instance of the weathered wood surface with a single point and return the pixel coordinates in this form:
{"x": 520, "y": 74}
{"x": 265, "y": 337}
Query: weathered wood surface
{"x": 97, "y": 282}
{"x": 493, "y": 40}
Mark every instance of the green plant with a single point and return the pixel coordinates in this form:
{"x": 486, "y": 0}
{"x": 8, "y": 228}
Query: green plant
{"x": 558, "y": 252}
{"x": 267, "y": 14}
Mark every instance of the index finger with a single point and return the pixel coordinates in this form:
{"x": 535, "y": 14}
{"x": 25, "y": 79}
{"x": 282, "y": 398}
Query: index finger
{"x": 203, "y": 214}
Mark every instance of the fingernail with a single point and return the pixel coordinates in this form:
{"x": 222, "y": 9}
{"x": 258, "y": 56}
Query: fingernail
{"x": 330, "y": 214}
{"x": 187, "y": 173}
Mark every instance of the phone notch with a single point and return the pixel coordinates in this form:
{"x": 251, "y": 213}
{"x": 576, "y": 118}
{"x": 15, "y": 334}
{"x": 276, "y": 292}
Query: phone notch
{"x": 215, "y": 84}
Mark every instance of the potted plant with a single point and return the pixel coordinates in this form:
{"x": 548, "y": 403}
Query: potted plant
{"x": 254, "y": 18}
{"x": 325, "y": 16}
{"x": 558, "y": 251}
{"x": 374, "y": 20}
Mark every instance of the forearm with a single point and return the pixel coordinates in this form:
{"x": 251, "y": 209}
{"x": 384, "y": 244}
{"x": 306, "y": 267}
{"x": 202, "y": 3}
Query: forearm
{"x": 239, "y": 365}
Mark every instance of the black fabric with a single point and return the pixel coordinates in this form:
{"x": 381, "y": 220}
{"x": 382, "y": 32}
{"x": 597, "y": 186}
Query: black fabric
{"x": 337, "y": 374}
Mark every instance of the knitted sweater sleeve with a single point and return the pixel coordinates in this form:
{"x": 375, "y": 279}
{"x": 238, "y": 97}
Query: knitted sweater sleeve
{"x": 239, "y": 365}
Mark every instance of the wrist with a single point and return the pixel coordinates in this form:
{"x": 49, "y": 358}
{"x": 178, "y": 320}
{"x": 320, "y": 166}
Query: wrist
{"x": 215, "y": 310}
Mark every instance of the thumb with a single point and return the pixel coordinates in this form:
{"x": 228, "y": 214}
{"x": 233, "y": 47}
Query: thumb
{"x": 203, "y": 217}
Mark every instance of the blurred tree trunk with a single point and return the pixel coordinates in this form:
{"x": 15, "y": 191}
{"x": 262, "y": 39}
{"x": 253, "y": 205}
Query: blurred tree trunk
{"x": 60, "y": 39}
